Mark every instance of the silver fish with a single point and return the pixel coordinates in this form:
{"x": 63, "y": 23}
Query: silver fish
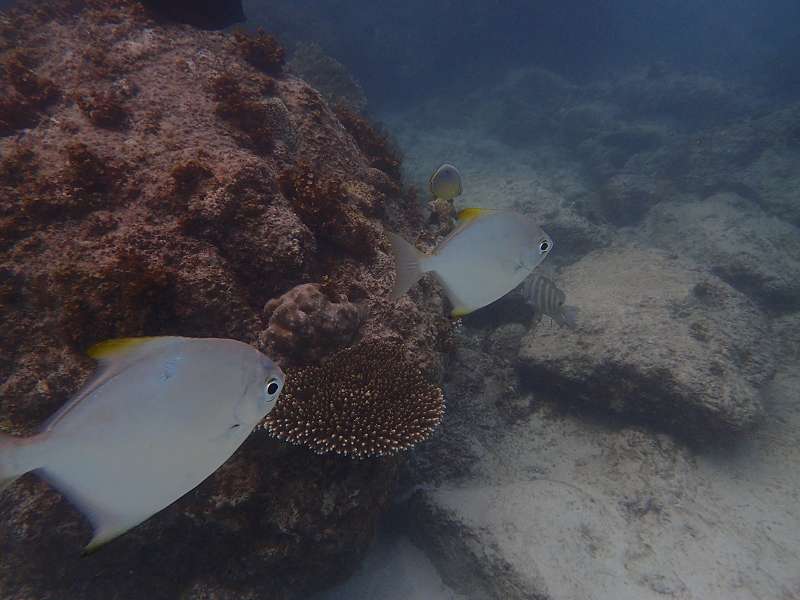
{"x": 488, "y": 254}
{"x": 160, "y": 415}
{"x": 445, "y": 183}
{"x": 546, "y": 298}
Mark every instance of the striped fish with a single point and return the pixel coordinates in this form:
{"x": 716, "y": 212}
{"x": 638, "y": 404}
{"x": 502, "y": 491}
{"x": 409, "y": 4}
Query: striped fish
{"x": 545, "y": 297}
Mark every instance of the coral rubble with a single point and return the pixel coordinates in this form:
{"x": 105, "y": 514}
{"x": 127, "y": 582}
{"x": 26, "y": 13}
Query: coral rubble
{"x": 143, "y": 191}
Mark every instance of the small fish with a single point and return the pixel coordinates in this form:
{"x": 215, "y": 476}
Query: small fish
{"x": 159, "y": 416}
{"x": 488, "y": 254}
{"x": 445, "y": 183}
{"x": 203, "y": 14}
{"x": 545, "y": 297}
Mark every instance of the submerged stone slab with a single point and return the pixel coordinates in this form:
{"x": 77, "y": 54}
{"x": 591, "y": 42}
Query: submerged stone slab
{"x": 756, "y": 253}
{"x": 658, "y": 339}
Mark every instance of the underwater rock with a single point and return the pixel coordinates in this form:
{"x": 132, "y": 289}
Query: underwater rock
{"x": 757, "y": 254}
{"x": 626, "y": 197}
{"x": 688, "y": 99}
{"x": 638, "y": 515}
{"x": 176, "y": 224}
{"x": 658, "y": 340}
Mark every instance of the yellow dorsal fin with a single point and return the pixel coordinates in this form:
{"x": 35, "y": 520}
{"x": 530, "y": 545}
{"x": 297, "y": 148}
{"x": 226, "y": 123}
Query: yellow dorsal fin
{"x": 118, "y": 347}
{"x": 460, "y": 311}
{"x": 470, "y": 214}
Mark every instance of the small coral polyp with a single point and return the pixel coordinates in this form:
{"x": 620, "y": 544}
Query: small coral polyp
{"x": 363, "y": 401}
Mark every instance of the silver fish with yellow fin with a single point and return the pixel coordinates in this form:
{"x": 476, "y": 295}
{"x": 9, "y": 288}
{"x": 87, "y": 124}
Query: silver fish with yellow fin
{"x": 488, "y": 254}
{"x": 160, "y": 415}
{"x": 547, "y": 299}
{"x": 445, "y": 183}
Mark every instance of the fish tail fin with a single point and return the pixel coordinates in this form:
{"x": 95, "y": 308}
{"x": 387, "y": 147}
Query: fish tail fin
{"x": 13, "y": 460}
{"x": 569, "y": 316}
{"x": 408, "y": 263}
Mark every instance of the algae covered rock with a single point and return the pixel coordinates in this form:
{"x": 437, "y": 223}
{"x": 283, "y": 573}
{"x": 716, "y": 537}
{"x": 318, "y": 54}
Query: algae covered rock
{"x": 659, "y": 340}
{"x": 176, "y": 220}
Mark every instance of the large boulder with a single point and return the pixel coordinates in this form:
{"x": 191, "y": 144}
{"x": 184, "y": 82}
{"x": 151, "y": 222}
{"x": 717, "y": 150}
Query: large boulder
{"x": 657, "y": 339}
{"x": 755, "y": 253}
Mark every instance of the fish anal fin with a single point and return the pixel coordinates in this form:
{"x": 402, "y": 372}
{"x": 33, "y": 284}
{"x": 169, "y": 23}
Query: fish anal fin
{"x": 460, "y": 311}
{"x": 106, "y": 524}
{"x": 103, "y": 535}
{"x": 460, "y": 307}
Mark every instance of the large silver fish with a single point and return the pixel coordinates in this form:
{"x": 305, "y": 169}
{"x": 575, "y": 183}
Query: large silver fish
{"x": 160, "y": 415}
{"x": 488, "y": 254}
{"x": 546, "y": 298}
{"x": 445, "y": 183}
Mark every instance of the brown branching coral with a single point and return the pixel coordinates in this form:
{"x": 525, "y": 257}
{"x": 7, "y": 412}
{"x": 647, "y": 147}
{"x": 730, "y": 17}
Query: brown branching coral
{"x": 261, "y": 50}
{"x": 243, "y": 109}
{"x": 361, "y": 402}
{"x": 322, "y": 204}
{"x": 187, "y": 176}
{"x": 305, "y": 323}
{"x": 105, "y": 109}
{"x": 327, "y": 75}
{"x": 371, "y": 141}
{"x": 84, "y": 185}
{"x": 124, "y": 296}
{"x": 15, "y": 167}
{"x": 24, "y": 94}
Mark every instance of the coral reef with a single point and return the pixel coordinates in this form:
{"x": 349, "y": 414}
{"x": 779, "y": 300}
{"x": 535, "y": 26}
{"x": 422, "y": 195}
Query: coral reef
{"x": 24, "y": 93}
{"x": 174, "y": 221}
{"x": 326, "y": 208}
{"x": 261, "y": 50}
{"x": 304, "y": 324}
{"x": 104, "y": 109}
{"x": 361, "y": 402}
{"x": 245, "y": 108}
{"x": 372, "y": 141}
{"x": 327, "y": 75}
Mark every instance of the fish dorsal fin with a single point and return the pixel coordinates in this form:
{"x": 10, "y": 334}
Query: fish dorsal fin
{"x": 120, "y": 348}
{"x": 114, "y": 356}
{"x": 467, "y": 215}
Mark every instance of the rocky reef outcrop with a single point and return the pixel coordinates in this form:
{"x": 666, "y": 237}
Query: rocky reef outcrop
{"x": 636, "y": 455}
{"x": 659, "y": 340}
{"x": 156, "y": 179}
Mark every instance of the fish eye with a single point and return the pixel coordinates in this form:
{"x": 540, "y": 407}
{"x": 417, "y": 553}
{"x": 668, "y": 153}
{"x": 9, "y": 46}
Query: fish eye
{"x": 272, "y": 386}
{"x": 544, "y": 246}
